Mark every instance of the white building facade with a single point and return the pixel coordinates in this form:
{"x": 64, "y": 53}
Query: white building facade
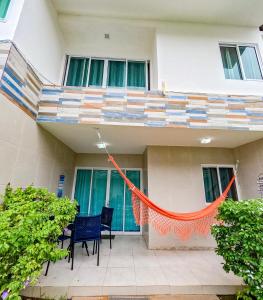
{"x": 158, "y": 80}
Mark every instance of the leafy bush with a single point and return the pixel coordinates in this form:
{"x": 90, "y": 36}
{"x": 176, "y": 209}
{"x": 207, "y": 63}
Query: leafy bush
{"x": 30, "y": 222}
{"x": 240, "y": 242}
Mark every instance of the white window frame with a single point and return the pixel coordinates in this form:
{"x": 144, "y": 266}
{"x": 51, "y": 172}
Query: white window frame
{"x": 108, "y": 191}
{"x": 106, "y": 72}
{"x": 258, "y": 56}
{"x": 218, "y": 166}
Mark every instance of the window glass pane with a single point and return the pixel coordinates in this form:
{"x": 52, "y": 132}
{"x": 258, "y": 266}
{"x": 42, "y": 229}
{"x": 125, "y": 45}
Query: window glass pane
{"x": 82, "y": 189}
{"x": 130, "y": 225}
{"x": 98, "y": 191}
{"x": 136, "y": 74}
{"x": 226, "y": 175}
{"x": 250, "y": 62}
{"x": 230, "y": 62}
{"x": 116, "y": 200}
{"x": 211, "y": 183}
{"x": 96, "y": 72}
{"x": 77, "y": 71}
{"x": 116, "y": 73}
{"x": 85, "y": 74}
{"x": 4, "y": 4}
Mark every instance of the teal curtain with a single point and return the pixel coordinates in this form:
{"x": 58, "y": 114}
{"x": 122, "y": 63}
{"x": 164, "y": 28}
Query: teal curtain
{"x": 225, "y": 176}
{"x": 230, "y": 63}
{"x": 135, "y": 178}
{"x": 4, "y": 4}
{"x": 96, "y": 72}
{"x": 98, "y": 191}
{"x": 82, "y": 189}
{"x": 116, "y": 198}
{"x": 250, "y": 62}
{"x": 136, "y": 74}
{"x": 77, "y": 72}
{"x": 211, "y": 183}
{"x": 116, "y": 73}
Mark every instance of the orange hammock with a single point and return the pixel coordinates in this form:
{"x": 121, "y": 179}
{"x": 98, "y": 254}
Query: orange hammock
{"x": 164, "y": 221}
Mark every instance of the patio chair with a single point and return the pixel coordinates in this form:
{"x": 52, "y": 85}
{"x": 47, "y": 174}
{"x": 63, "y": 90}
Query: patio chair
{"x": 106, "y": 220}
{"x": 85, "y": 229}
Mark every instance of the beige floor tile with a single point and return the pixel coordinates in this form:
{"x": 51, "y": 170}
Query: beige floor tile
{"x": 146, "y": 261}
{"x": 121, "y": 261}
{"x": 93, "y": 276}
{"x": 120, "y": 277}
{"x": 150, "y": 276}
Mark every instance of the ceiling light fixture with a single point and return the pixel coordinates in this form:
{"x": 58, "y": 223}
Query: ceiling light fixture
{"x": 101, "y": 145}
{"x": 206, "y": 140}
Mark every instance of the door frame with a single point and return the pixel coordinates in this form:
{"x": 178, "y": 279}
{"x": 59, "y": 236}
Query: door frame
{"x": 109, "y": 169}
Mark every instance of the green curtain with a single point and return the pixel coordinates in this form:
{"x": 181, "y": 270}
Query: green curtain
{"x": 230, "y": 62}
{"x": 250, "y": 62}
{"x": 211, "y": 183}
{"x": 116, "y": 73}
{"x": 116, "y": 198}
{"x": 78, "y": 71}
{"x": 96, "y": 72}
{"x": 82, "y": 189}
{"x": 136, "y": 74}
{"x": 130, "y": 225}
{"x": 225, "y": 176}
{"x": 4, "y": 4}
{"x": 98, "y": 191}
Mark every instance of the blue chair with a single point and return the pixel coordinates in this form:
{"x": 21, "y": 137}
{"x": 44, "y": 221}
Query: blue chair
{"x": 106, "y": 220}
{"x": 85, "y": 229}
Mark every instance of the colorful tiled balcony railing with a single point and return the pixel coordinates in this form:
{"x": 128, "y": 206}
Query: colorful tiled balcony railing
{"x": 19, "y": 82}
{"x": 135, "y": 108}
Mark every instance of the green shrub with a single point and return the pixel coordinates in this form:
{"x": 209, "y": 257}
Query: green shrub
{"x": 30, "y": 222}
{"x": 240, "y": 242}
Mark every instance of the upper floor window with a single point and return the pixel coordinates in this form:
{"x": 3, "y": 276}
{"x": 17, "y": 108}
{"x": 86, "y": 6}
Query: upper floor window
{"x": 216, "y": 179}
{"x": 4, "y": 4}
{"x": 241, "y": 62}
{"x": 100, "y": 72}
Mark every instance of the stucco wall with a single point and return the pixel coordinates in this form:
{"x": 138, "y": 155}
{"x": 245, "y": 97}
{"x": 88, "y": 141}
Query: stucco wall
{"x": 9, "y": 24}
{"x": 175, "y": 182}
{"x": 29, "y": 154}
{"x": 250, "y": 158}
{"x": 189, "y": 58}
{"x": 39, "y": 38}
{"x": 101, "y": 160}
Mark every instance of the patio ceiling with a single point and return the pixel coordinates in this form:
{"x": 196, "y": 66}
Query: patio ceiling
{"x": 133, "y": 140}
{"x": 234, "y": 12}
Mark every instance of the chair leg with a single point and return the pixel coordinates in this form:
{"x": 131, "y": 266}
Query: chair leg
{"x": 72, "y": 255}
{"x": 93, "y": 248}
{"x": 86, "y": 246}
{"x": 62, "y": 244}
{"x": 98, "y": 254}
{"x": 110, "y": 238}
{"x": 70, "y": 252}
{"x": 48, "y": 263}
{"x": 96, "y": 246}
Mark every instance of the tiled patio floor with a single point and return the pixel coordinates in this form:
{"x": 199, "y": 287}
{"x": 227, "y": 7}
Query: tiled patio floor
{"x": 131, "y": 269}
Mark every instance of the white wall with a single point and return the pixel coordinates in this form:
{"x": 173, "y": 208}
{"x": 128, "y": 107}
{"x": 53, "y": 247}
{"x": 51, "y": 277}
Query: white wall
{"x": 189, "y": 58}
{"x": 8, "y": 25}
{"x": 39, "y": 38}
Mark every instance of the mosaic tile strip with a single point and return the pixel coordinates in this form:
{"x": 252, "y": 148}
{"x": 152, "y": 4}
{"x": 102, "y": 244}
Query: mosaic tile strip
{"x": 18, "y": 80}
{"x": 152, "y": 109}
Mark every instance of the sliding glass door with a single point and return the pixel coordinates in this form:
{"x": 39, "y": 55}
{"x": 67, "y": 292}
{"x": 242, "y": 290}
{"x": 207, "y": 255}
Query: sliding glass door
{"x": 95, "y": 188}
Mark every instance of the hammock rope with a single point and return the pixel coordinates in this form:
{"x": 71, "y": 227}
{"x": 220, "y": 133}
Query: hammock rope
{"x": 184, "y": 225}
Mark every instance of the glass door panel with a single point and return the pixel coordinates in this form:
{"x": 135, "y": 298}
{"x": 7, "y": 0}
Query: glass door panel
{"x": 130, "y": 225}
{"x": 116, "y": 199}
{"x": 98, "y": 191}
{"x": 82, "y": 189}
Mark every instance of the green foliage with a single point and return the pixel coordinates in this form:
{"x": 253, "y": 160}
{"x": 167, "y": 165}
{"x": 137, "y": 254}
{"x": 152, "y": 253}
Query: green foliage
{"x": 30, "y": 222}
{"x": 240, "y": 242}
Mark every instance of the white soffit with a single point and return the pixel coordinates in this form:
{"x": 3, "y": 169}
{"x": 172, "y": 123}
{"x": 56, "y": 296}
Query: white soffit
{"x": 133, "y": 140}
{"x": 229, "y": 12}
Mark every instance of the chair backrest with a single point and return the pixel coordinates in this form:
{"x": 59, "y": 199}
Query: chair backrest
{"x": 86, "y": 228}
{"x": 106, "y": 215}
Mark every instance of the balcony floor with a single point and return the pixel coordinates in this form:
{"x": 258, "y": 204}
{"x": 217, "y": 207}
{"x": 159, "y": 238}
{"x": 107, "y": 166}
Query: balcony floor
{"x": 131, "y": 269}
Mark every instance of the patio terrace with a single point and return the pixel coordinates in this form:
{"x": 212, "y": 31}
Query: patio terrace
{"x": 131, "y": 269}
